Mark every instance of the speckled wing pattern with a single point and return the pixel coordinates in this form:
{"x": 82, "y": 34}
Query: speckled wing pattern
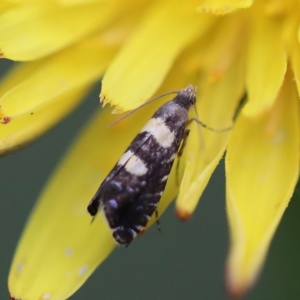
{"x": 129, "y": 195}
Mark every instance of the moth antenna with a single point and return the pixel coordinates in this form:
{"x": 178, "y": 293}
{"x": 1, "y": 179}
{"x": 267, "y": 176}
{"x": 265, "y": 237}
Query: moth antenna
{"x": 144, "y": 104}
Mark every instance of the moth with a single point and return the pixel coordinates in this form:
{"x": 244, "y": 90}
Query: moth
{"x": 129, "y": 195}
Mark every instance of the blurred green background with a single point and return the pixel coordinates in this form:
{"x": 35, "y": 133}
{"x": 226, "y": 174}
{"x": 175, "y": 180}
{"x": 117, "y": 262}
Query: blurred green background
{"x": 186, "y": 261}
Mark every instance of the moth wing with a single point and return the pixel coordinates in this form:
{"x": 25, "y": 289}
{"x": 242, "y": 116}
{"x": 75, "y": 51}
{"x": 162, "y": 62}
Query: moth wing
{"x": 95, "y": 203}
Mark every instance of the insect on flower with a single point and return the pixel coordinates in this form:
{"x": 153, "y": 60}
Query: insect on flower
{"x": 129, "y": 195}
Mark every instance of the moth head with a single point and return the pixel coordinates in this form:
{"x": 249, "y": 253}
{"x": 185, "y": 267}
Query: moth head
{"x": 187, "y": 96}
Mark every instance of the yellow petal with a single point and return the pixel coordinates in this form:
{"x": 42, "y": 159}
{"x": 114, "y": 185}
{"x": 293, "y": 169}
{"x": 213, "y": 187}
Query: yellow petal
{"x": 60, "y": 2}
{"x": 143, "y": 63}
{"x": 221, "y": 88}
{"x": 262, "y": 170}
{"x": 4, "y": 5}
{"x": 60, "y": 248}
{"x": 75, "y": 2}
{"x": 295, "y": 56}
{"x": 17, "y": 134}
{"x": 220, "y": 7}
{"x": 266, "y": 63}
{"x": 281, "y": 8}
{"x": 32, "y": 31}
{"x": 53, "y": 77}
{"x": 71, "y": 246}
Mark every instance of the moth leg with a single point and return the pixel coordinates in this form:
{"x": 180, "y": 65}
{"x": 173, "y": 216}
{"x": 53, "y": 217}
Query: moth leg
{"x": 157, "y": 221}
{"x": 184, "y": 141}
{"x": 208, "y": 127}
{"x": 180, "y": 152}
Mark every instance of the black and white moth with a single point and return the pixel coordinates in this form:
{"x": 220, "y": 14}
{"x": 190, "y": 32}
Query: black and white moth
{"x": 129, "y": 195}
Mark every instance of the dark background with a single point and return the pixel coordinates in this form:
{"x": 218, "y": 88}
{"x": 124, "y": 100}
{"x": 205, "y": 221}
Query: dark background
{"x": 186, "y": 261}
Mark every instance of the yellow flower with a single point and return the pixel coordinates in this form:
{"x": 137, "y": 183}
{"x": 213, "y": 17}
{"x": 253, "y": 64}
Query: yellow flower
{"x": 225, "y": 47}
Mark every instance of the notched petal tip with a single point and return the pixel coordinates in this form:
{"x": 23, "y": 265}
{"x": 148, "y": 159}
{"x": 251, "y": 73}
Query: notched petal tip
{"x": 104, "y": 100}
{"x": 183, "y": 215}
{"x": 117, "y": 110}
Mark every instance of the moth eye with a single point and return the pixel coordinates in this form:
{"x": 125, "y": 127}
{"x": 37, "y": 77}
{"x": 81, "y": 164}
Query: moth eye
{"x": 113, "y": 203}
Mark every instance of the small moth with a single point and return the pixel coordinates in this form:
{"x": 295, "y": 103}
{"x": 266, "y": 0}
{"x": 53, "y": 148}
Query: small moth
{"x": 129, "y": 195}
